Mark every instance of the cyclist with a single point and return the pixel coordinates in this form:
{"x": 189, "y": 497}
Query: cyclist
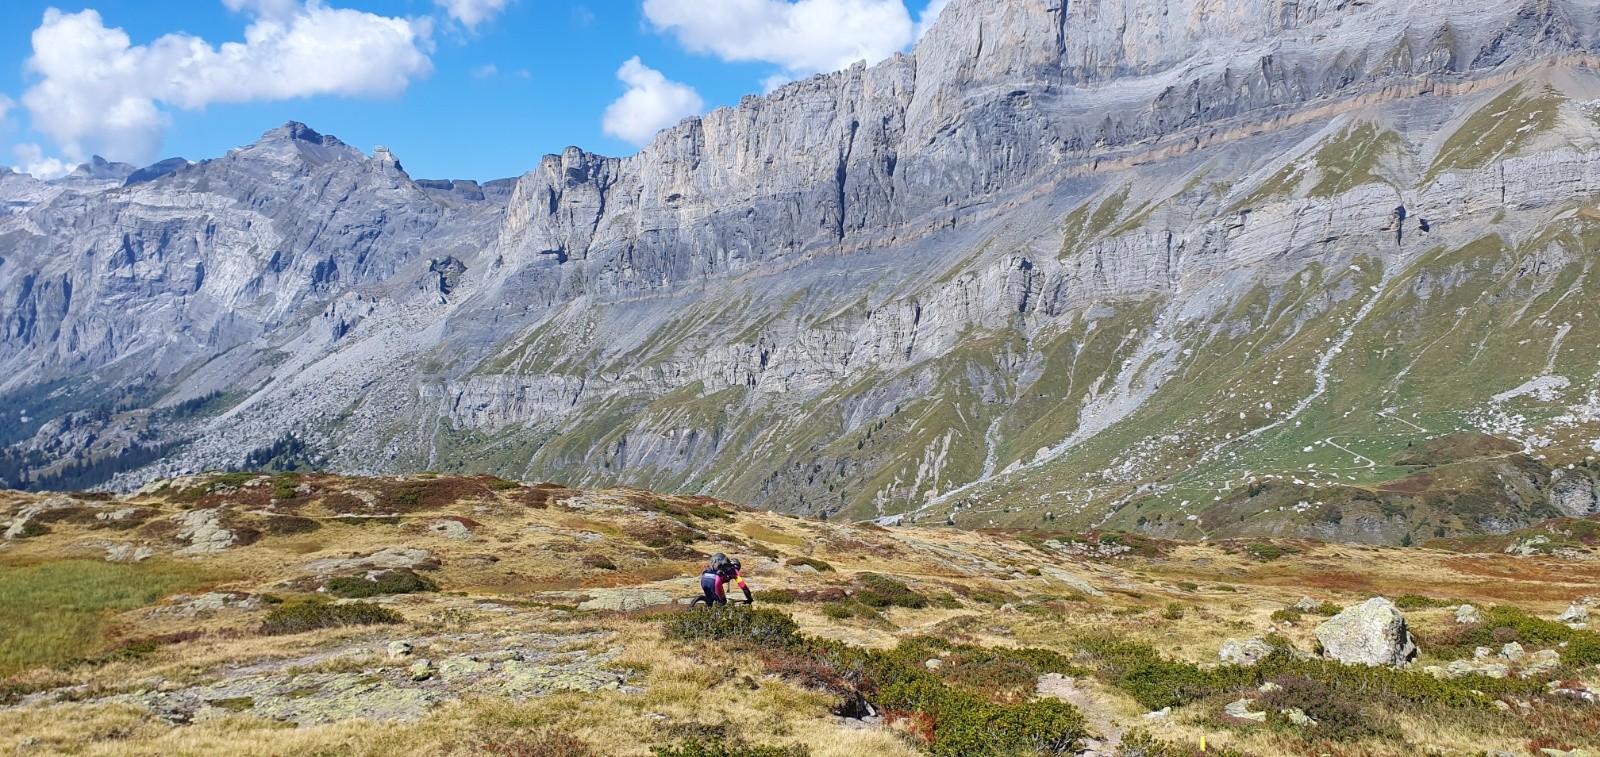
{"x": 714, "y": 581}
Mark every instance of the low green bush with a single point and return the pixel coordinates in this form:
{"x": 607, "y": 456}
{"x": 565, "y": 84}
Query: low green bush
{"x": 756, "y": 627}
{"x": 1156, "y": 682}
{"x": 818, "y": 565}
{"x": 847, "y": 608}
{"x": 1287, "y": 615}
{"x": 971, "y": 706}
{"x": 1418, "y": 602}
{"x": 401, "y": 581}
{"x": 285, "y": 486}
{"x": 1295, "y": 614}
{"x": 1506, "y": 624}
{"x": 32, "y": 529}
{"x": 498, "y": 484}
{"x": 317, "y": 613}
{"x": 719, "y": 746}
{"x": 1270, "y": 552}
{"x": 993, "y": 597}
{"x": 778, "y": 596}
{"x": 882, "y": 591}
{"x": 1139, "y": 743}
{"x": 1340, "y": 715}
{"x": 599, "y": 562}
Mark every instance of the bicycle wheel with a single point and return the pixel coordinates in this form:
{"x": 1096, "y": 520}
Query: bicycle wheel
{"x": 698, "y": 602}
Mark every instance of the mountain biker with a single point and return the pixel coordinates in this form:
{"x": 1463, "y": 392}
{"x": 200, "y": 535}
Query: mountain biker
{"x": 714, "y": 581}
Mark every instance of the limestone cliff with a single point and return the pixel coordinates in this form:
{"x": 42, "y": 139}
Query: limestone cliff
{"x": 1064, "y": 260}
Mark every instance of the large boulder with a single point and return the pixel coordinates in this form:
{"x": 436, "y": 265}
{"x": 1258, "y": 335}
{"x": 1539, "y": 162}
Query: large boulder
{"x": 1371, "y": 633}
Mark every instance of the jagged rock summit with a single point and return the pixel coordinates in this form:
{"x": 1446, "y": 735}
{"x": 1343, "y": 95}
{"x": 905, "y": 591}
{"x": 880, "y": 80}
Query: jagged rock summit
{"x": 1189, "y": 268}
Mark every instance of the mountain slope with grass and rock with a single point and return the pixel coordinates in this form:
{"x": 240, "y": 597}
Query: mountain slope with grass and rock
{"x": 1193, "y": 269}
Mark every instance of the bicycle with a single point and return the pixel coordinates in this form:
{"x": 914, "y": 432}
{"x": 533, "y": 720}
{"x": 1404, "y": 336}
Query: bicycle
{"x": 700, "y": 601}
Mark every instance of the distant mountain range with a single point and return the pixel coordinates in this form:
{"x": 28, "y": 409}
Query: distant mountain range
{"x": 1315, "y": 268}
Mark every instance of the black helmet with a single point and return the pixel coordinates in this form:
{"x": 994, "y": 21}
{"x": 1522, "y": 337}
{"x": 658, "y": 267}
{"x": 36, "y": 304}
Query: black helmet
{"x": 734, "y": 561}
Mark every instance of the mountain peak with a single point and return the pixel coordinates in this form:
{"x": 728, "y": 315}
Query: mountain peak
{"x": 294, "y": 131}
{"x": 295, "y": 141}
{"x": 100, "y": 168}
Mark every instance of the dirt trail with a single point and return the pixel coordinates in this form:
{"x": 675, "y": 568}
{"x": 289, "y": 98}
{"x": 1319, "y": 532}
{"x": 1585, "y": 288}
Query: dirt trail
{"x": 1102, "y": 720}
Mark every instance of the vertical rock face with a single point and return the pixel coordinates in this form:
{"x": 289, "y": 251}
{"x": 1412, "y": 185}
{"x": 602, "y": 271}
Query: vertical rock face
{"x": 1372, "y": 633}
{"x": 1173, "y": 265}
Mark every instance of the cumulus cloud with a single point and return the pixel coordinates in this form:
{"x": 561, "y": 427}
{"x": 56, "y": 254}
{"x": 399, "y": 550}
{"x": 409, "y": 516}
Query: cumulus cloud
{"x": 100, "y": 93}
{"x": 6, "y": 104}
{"x": 31, "y": 160}
{"x": 652, "y": 103}
{"x": 265, "y": 8}
{"x": 469, "y": 12}
{"x": 801, "y": 37}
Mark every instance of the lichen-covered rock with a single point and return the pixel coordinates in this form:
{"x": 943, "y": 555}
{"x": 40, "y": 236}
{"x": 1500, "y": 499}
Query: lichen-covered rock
{"x": 462, "y": 667}
{"x": 17, "y": 527}
{"x": 1540, "y": 663}
{"x": 1371, "y": 633}
{"x": 1245, "y": 652}
{"x": 392, "y": 558}
{"x": 1299, "y": 717}
{"x": 1241, "y": 709}
{"x": 623, "y": 600}
{"x": 1468, "y": 614}
{"x": 128, "y": 553}
{"x": 527, "y": 678}
{"x": 1070, "y": 580}
{"x": 1575, "y": 613}
{"x": 1458, "y": 668}
{"x": 1533, "y": 545}
{"x": 204, "y": 531}
{"x": 450, "y": 528}
{"x": 211, "y": 603}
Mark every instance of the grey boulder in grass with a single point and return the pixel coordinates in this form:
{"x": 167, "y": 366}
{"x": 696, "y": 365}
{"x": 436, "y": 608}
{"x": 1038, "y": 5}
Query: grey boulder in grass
{"x": 1371, "y": 633}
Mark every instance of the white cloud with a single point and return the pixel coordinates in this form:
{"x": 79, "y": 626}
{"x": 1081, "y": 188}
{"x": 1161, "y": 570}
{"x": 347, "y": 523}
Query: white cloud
{"x": 101, "y": 94}
{"x": 31, "y": 160}
{"x": 652, "y": 103}
{"x": 802, "y": 37}
{"x": 485, "y": 71}
{"x": 276, "y": 9}
{"x": 469, "y": 12}
{"x": 929, "y": 15}
{"x": 6, "y": 104}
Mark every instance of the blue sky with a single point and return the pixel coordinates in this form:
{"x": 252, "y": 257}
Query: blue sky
{"x": 456, "y": 88}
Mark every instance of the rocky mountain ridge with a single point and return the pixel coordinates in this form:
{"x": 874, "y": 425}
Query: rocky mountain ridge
{"x": 1042, "y": 268}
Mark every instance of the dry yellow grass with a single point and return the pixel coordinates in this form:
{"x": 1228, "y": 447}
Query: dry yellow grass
{"x": 523, "y": 571}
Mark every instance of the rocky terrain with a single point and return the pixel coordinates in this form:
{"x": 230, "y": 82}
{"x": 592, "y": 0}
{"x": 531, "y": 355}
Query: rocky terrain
{"x": 257, "y": 614}
{"x": 1195, "y": 269}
